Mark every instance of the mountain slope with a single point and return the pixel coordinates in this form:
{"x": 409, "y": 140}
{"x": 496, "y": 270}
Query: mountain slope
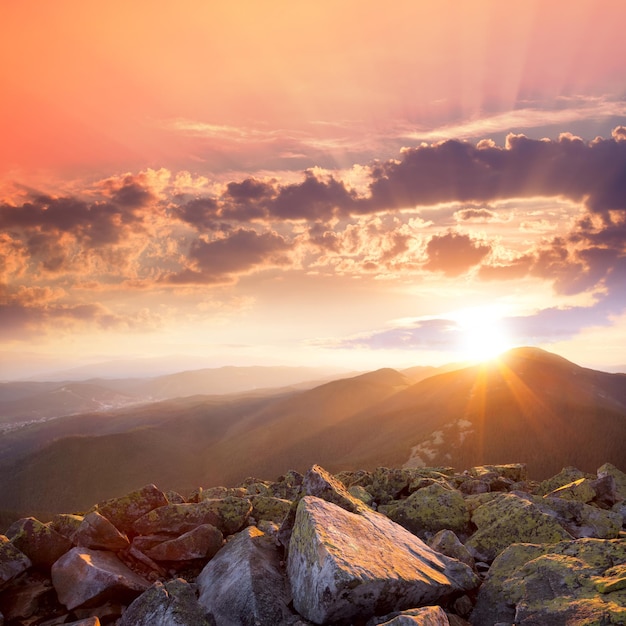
{"x": 529, "y": 406}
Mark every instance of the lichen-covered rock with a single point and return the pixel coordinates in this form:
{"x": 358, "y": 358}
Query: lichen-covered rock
{"x": 228, "y": 514}
{"x": 244, "y": 583}
{"x": 288, "y": 486}
{"x": 319, "y": 483}
{"x": 557, "y": 584}
{"x": 566, "y": 476}
{"x": 430, "y": 510}
{"x": 517, "y": 472}
{"x": 172, "y": 603}
{"x": 342, "y": 565}
{"x": 38, "y": 541}
{"x": 389, "y": 483}
{"x": 84, "y": 577}
{"x": 66, "y": 524}
{"x": 213, "y": 493}
{"x": 12, "y": 561}
{"x": 581, "y": 520}
{"x": 509, "y": 518}
{"x": 580, "y": 490}
{"x": 425, "y": 616}
{"x": 446, "y": 542}
{"x": 202, "y": 542}
{"x": 362, "y": 494}
{"x": 620, "y": 478}
{"x": 269, "y": 508}
{"x": 98, "y": 533}
{"x": 122, "y": 512}
{"x": 173, "y": 497}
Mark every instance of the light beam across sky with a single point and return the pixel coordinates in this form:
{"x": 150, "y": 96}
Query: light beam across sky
{"x": 320, "y": 184}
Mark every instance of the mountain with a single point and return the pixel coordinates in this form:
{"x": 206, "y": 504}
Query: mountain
{"x": 30, "y": 401}
{"x": 529, "y": 406}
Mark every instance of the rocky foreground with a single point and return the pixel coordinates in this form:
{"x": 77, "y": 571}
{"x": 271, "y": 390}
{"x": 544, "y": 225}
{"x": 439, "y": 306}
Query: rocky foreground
{"x": 392, "y": 546}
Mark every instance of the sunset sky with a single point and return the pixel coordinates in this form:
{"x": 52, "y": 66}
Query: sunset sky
{"x": 353, "y": 184}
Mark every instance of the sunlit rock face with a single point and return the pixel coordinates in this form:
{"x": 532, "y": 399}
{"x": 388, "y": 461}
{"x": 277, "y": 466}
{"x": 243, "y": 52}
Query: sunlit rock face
{"x": 343, "y": 564}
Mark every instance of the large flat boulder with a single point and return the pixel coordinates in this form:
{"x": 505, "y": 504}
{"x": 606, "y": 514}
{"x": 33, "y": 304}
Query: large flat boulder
{"x": 245, "y": 584}
{"x": 343, "y": 565}
{"x": 84, "y": 577}
{"x": 570, "y": 582}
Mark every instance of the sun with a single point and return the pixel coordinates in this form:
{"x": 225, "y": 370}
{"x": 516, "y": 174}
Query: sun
{"x": 482, "y": 333}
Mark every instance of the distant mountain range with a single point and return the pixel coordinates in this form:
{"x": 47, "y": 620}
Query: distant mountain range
{"x": 23, "y": 401}
{"x": 528, "y": 406}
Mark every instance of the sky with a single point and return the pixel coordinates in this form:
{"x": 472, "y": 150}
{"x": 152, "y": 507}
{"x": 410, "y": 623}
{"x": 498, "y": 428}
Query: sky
{"x": 345, "y": 184}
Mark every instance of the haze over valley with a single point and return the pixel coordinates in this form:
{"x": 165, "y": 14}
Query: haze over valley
{"x": 527, "y": 405}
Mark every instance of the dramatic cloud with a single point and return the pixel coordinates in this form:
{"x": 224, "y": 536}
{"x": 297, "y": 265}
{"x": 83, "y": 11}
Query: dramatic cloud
{"x": 454, "y": 254}
{"x": 218, "y": 260}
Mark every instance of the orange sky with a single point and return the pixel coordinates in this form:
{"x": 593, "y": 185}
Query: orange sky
{"x": 245, "y": 181}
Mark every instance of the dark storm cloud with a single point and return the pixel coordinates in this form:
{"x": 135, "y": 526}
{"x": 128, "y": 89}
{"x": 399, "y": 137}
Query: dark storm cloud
{"x": 454, "y": 253}
{"x": 219, "y": 260}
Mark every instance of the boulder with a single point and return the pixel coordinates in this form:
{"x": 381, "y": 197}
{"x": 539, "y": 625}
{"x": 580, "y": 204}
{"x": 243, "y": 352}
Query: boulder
{"x": 430, "y": 510}
{"x": 66, "y": 524}
{"x": 123, "y": 512}
{"x": 581, "y": 520}
{"x": 362, "y": 494}
{"x": 511, "y": 518}
{"x": 84, "y": 577}
{"x": 446, "y": 542}
{"x": 288, "y": 486}
{"x": 516, "y": 472}
{"x": 425, "y": 616}
{"x": 620, "y": 478}
{"x": 244, "y": 583}
{"x": 200, "y": 543}
{"x": 98, "y": 533}
{"x": 580, "y": 490}
{"x": 38, "y": 541}
{"x": 172, "y": 603}
{"x": 557, "y": 584}
{"x": 12, "y": 561}
{"x": 228, "y": 514}
{"x": 390, "y": 483}
{"x": 319, "y": 483}
{"x": 566, "y": 476}
{"x": 269, "y": 508}
{"x": 342, "y": 565}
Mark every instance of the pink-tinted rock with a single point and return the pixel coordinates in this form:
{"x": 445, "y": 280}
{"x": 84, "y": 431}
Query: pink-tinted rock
{"x": 85, "y": 577}
{"x": 98, "y": 533}
{"x": 200, "y": 543}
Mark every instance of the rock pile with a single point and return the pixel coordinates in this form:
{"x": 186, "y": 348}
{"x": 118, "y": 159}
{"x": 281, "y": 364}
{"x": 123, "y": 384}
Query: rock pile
{"x": 394, "y": 546}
